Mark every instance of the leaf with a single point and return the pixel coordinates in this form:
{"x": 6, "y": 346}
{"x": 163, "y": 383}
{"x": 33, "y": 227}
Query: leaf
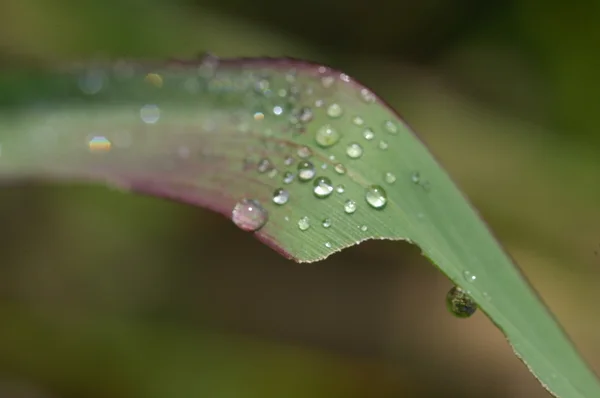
{"x": 216, "y": 132}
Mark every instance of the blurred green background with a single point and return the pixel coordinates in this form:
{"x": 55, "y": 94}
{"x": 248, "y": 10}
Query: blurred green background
{"x": 105, "y": 294}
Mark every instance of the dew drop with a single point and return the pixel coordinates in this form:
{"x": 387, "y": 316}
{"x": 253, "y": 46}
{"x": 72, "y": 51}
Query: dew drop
{"x": 469, "y": 277}
{"x": 306, "y": 171}
{"x": 390, "y": 178}
{"x": 304, "y": 152}
{"x": 368, "y": 134}
{"x": 288, "y": 177}
{"x": 322, "y": 187}
{"x": 305, "y": 115}
{"x": 280, "y": 196}
{"x": 340, "y": 189}
{"x": 288, "y": 161}
{"x": 390, "y": 127}
{"x": 277, "y": 110}
{"x": 326, "y": 223}
{"x": 350, "y": 206}
{"x": 358, "y": 121}
{"x": 459, "y": 303}
{"x": 327, "y": 136}
{"x": 334, "y": 110}
{"x": 328, "y": 245}
{"x": 354, "y": 150}
{"x": 367, "y": 95}
{"x": 415, "y": 177}
{"x": 304, "y": 223}
{"x": 364, "y": 228}
{"x": 264, "y": 165}
{"x": 383, "y": 145}
{"x": 340, "y": 168}
{"x": 327, "y": 81}
{"x": 376, "y": 197}
{"x": 249, "y": 215}
{"x": 150, "y": 113}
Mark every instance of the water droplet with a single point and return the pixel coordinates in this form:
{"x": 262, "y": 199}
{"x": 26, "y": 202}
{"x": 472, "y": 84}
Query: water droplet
{"x": 487, "y": 296}
{"x": 358, "y": 121}
{"x": 383, "y": 145}
{"x": 326, "y": 223}
{"x": 390, "y": 127}
{"x": 322, "y": 187}
{"x": 288, "y": 161}
{"x": 305, "y": 115}
{"x": 376, "y": 197}
{"x": 459, "y": 303}
{"x": 304, "y": 223}
{"x": 364, "y": 228}
{"x": 469, "y": 277}
{"x": 390, "y": 178}
{"x": 277, "y": 110}
{"x": 367, "y": 95}
{"x": 416, "y": 177}
{"x": 272, "y": 173}
{"x": 327, "y": 81}
{"x": 264, "y": 165}
{"x": 306, "y": 171}
{"x": 304, "y": 152}
{"x": 354, "y": 150}
{"x": 99, "y": 144}
{"x": 340, "y": 188}
{"x": 335, "y": 110}
{"x": 280, "y": 196}
{"x": 340, "y": 168}
{"x": 150, "y": 113}
{"x": 324, "y": 166}
{"x": 288, "y": 177}
{"x": 328, "y": 245}
{"x": 249, "y": 215}
{"x": 368, "y": 134}
{"x": 350, "y": 206}
{"x": 327, "y": 136}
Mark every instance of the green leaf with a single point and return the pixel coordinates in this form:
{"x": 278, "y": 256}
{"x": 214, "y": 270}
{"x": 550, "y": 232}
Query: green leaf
{"x": 217, "y": 133}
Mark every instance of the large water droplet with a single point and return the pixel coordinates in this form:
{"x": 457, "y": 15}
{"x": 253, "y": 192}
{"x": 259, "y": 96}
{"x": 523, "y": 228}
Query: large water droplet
{"x": 327, "y": 136}
{"x": 306, "y": 171}
{"x": 322, "y": 187}
{"x": 350, "y": 206}
{"x": 340, "y": 168}
{"x": 280, "y": 196}
{"x": 304, "y": 152}
{"x": 249, "y": 215}
{"x": 459, "y": 303}
{"x": 369, "y": 134}
{"x": 354, "y": 150}
{"x": 150, "y": 113}
{"x": 335, "y": 110}
{"x": 376, "y": 197}
{"x": 390, "y": 178}
{"x": 326, "y": 223}
{"x": 304, "y": 223}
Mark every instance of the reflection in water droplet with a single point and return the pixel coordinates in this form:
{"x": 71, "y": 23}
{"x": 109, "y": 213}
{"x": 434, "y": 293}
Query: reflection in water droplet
{"x": 322, "y": 187}
{"x": 150, "y": 113}
{"x": 264, "y": 165}
{"x": 281, "y": 196}
{"x": 383, "y": 145}
{"x": 469, "y": 277}
{"x": 306, "y": 171}
{"x": 304, "y": 223}
{"x": 326, "y": 223}
{"x": 390, "y": 127}
{"x": 459, "y": 303}
{"x": 354, "y": 150}
{"x": 340, "y": 188}
{"x": 304, "y": 152}
{"x": 288, "y": 177}
{"x": 350, "y": 206}
{"x": 340, "y": 168}
{"x": 390, "y": 178}
{"x": 249, "y": 215}
{"x": 368, "y": 134}
{"x": 99, "y": 144}
{"x": 358, "y": 121}
{"x": 327, "y": 136}
{"x": 376, "y": 197}
{"x": 334, "y": 110}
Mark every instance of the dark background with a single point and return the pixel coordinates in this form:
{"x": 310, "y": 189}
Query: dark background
{"x": 106, "y": 294}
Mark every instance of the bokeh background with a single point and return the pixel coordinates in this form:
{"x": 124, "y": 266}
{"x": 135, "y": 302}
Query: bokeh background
{"x": 105, "y": 294}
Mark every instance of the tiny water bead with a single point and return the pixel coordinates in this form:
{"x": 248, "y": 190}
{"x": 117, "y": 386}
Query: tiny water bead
{"x": 264, "y": 165}
{"x": 322, "y": 187}
{"x": 327, "y": 136}
{"x": 350, "y": 206}
{"x": 459, "y": 303}
{"x": 469, "y": 277}
{"x": 340, "y": 189}
{"x": 340, "y": 168}
{"x": 304, "y": 223}
{"x": 376, "y": 197}
{"x": 390, "y": 127}
{"x": 358, "y": 121}
{"x": 280, "y": 196}
{"x": 334, "y": 110}
{"x": 383, "y": 145}
{"x": 249, "y": 215}
{"x": 389, "y": 177}
{"x": 150, "y": 114}
{"x": 305, "y": 115}
{"x": 326, "y": 223}
{"x": 364, "y": 228}
{"x": 416, "y": 177}
{"x": 354, "y": 150}
{"x": 304, "y": 152}
{"x": 306, "y": 171}
{"x": 288, "y": 177}
{"x": 368, "y": 134}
